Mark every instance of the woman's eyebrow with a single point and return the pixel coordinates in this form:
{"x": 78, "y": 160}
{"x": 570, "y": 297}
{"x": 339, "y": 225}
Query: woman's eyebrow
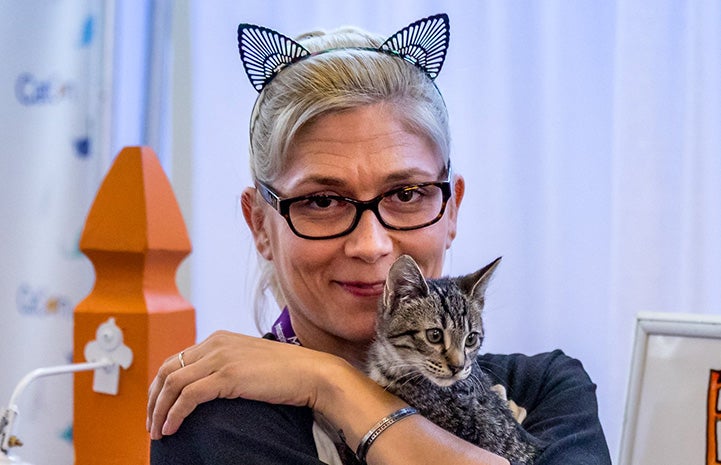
{"x": 321, "y": 180}
{"x": 410, "y": 175}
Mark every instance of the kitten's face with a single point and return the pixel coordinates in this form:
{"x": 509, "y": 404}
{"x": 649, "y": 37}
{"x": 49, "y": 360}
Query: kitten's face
{"x": 443, "y": 346}
{"x": 432, "y": 328}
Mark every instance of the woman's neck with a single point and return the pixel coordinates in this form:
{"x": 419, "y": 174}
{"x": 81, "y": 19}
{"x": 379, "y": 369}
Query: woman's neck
{"x": 294, "y": 330}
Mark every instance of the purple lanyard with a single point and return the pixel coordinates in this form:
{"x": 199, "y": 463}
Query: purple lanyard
{"x": 283, "y": 330}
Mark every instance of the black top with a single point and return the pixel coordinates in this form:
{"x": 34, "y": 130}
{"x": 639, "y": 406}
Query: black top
{"x": 554, "y": 389}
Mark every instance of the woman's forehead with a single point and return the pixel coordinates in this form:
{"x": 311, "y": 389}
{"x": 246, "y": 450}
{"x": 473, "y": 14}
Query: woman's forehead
{"x": 372, "y": 130}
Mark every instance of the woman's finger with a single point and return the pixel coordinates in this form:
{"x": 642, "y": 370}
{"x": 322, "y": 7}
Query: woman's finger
{"x": 203, "y": 390}
{"x": 160, "y": 386}
{"x": 154, "y": 390}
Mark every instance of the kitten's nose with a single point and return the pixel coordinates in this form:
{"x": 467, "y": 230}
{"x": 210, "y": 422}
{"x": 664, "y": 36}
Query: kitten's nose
{"x": 456, "y": 361}
{"x": 455, "y": 368}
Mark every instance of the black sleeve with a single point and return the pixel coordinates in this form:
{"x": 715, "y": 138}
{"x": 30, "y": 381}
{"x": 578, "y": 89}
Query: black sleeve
{"x": 240, "y": 431}
{"x": 560, "y": 400}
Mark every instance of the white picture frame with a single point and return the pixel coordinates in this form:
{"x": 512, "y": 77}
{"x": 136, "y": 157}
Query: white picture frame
{"x": 673, "y": 407}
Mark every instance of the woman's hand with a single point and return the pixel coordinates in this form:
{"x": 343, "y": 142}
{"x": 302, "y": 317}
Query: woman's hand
{"x": 229, "y": 365}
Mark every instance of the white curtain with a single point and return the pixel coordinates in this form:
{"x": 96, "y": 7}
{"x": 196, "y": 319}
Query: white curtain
{"x": 52, "y": 156}
{"x": 589, "y": 134}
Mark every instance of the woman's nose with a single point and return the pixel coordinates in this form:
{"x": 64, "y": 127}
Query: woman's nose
{"x": 369, "y": 241}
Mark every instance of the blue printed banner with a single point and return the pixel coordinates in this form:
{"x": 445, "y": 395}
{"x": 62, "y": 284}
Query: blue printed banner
{"x": 51, "y": 97}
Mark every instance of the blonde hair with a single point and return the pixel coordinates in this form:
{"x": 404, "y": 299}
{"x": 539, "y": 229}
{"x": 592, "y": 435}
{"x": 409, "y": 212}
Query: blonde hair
{"x": 349, "y": 73}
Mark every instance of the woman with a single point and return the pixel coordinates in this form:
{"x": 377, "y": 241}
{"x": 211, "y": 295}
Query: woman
{"x": 362, "y": 120}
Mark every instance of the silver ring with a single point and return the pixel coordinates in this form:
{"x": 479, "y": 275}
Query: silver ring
{"x": 180, "y": 359}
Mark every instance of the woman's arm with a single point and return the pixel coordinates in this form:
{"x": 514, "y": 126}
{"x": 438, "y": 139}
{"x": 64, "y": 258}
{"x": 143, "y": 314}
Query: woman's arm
{"x": 230, "y": 366}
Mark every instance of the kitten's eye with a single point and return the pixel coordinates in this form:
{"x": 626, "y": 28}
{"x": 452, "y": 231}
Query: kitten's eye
{"x": 435, "y": 336}
{"x": 472, "y": 340}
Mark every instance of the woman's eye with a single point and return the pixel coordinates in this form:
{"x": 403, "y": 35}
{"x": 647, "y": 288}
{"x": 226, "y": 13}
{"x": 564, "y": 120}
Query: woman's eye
{"x": 317, "y": 202}
{"x": 434, "y": 336}
{"x": 320, "y": 201}
{"x": 407, "y": 195}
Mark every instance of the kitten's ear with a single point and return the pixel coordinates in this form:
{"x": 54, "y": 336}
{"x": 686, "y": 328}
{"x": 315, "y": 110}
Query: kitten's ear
{"x": 405, "y": 279}
{"x": 475, "y": 284}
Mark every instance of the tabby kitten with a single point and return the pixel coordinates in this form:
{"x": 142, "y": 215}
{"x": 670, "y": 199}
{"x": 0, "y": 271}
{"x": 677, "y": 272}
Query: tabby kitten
{"x": 428, "y": 335}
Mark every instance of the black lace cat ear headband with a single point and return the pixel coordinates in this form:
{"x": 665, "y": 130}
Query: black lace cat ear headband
{"x": 265, "y": 52}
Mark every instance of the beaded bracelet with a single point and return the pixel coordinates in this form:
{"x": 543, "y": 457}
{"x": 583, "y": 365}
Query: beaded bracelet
{"x": 378, "y": 428}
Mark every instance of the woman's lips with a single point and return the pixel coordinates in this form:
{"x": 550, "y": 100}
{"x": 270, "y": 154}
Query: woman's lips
{"x": 363, "y": 289}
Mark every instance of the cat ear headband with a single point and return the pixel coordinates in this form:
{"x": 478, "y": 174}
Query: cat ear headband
{"x": 265, "y": 52}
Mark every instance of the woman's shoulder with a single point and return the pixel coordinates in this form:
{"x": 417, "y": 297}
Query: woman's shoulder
{"x": 510, "y": 369}
{"x": 533, "y": 379}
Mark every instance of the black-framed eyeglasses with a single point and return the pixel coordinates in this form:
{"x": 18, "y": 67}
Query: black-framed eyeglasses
{"x": 320, "y": 216}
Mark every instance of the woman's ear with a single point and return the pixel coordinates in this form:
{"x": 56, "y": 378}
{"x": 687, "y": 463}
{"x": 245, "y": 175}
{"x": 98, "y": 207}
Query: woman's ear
{"x": 454, "y": 204}
{"x": 254, "y": 215}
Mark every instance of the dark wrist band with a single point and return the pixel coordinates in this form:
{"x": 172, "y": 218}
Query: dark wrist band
{"x": 378, "y": 428}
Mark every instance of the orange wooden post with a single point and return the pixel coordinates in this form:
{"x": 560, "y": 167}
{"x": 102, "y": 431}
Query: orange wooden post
{"x": 136, "y": 238}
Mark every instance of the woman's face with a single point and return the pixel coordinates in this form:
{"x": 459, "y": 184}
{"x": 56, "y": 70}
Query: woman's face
{"x": 332, "y": 286}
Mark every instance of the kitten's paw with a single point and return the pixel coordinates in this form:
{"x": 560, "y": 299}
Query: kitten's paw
{"x": 519, "y": 413}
